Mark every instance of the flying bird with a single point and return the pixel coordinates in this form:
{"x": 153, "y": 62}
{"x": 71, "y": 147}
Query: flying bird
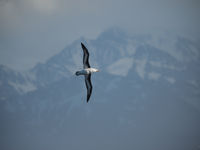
{"x": 87, "y": 71}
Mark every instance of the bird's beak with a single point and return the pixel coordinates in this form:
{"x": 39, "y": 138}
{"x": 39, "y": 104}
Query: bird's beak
{"x": 98, "y": 71}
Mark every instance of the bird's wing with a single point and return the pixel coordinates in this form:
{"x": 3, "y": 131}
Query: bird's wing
{"x": 88, "y": 85}
{"x": 85, "y": 57}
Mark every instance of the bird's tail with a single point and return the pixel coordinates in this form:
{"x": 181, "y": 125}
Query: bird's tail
{"x": 77, "y": 73}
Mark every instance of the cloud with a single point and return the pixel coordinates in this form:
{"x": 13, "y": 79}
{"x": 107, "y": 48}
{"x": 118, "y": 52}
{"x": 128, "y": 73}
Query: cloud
{"x": 44, "y": 6}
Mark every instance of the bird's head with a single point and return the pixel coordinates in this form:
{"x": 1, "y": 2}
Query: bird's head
{"x": 94, "y": 70}
{"x": 97, "y": 70}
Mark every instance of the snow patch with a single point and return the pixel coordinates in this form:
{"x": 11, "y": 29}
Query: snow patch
{"x": 30, "y": 76}
{"x": 156, "y": 63}
{"x": 23, "y": 88}
{"x": 140, "y": 67}
{"x": 154, "y": 75}
{"x": 120, "y": 67}
{"x": 131, "y": 47}
{"x": 167, "y": 44}
{"x": 170, "y": 80}
{"x": 167, "y": 66}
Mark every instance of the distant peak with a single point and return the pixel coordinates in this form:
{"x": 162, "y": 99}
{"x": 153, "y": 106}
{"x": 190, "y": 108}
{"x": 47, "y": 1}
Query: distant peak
{"x": 114, "y": 32}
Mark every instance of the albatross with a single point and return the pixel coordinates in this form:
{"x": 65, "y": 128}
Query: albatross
{"x": 87, "y": 71}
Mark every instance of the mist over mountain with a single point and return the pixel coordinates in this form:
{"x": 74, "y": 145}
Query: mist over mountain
{"x": 146, "y": 96}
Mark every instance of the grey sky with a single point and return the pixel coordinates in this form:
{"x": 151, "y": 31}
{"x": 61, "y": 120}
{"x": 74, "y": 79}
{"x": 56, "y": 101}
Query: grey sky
{"x": 33, "y": 30}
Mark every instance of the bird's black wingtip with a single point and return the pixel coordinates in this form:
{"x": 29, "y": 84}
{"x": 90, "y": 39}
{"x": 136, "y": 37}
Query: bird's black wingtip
{"x": 83, "y": 46}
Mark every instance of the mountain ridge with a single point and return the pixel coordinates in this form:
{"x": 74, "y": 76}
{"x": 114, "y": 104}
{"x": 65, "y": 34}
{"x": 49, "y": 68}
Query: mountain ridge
{"x": 144, "y": 97}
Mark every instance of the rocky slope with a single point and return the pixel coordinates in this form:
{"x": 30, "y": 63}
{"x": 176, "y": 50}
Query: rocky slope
{"x": 145, "y": 97}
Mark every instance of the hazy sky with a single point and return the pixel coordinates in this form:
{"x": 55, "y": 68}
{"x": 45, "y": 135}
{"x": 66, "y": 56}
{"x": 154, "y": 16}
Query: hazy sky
{"x": 33, "y": 30}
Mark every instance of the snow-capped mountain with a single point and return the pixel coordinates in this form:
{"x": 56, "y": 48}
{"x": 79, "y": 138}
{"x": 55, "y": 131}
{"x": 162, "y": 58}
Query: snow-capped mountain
{"x": 147, "y": 92}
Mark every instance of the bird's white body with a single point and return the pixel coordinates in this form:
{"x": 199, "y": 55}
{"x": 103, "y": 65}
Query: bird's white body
{"x": 86, "y": 71}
